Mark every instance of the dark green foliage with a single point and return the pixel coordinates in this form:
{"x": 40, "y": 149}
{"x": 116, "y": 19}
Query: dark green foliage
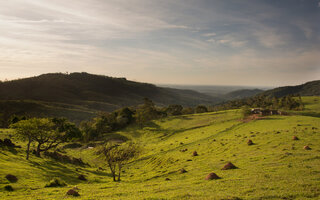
{"x": 245, "y": 111}
{"x": 240, "y": 94}
{"x": 187, "y": 110}
{"x": 70, "y": 129}
{"x": 201, "y": 109}
{"x": 8, "y": 188}
{"x": 106, "y": 123}
{"x": 308, "y": 89}
{"x": 174, "y": 109}
{"x": 262, "y": 101}
{"x": 146, "y": 112}
{"x": 56, "y": 182}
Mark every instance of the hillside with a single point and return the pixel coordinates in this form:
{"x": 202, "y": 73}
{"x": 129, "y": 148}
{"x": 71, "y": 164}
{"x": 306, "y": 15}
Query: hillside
{"x": 91, "y": 93}
{"x": 275, "y": 167}
{"x": 311, "y": 88}
{"x": 239, "y": 94}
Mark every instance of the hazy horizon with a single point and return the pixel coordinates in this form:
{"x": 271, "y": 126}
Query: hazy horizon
{"x": 263, "y": 43}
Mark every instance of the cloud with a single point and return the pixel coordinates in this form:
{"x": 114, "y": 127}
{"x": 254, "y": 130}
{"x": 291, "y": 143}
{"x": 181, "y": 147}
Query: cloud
{"x": 160, "y": 41}
{"x": 209, "y": 34}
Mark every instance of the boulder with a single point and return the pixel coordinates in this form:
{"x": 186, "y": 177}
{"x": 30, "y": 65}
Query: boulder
{"x": 11, "y": 178}
{"x": 181, "y": 171}
{"x": 8, "y": 188}
{"x": 194, "y": 153}
{"x": 295, "y": 138}
{"x": 250, "y": 142}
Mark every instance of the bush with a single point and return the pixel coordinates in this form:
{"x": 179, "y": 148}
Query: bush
{"x": 56, "y": 182}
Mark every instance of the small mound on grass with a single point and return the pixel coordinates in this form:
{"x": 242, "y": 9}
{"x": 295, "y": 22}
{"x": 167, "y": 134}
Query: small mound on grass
{"x": 250, "y": 142}
{"x": 195, "y": 153}
{"x": 307, "y": 147}
{"x": 11, "y": 178}
{"x": 212, "y": 176}
{"x": 229, "y": 165}
{"x": 8, "y": 188}
{"x": 72, "y": 192}
{"x": 56, "y": 182}
{"x": 295, "y": 138}
{"x": 181, "y": 171}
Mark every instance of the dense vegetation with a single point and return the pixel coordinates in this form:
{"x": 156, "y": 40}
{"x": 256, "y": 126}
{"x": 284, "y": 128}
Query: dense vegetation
{"x": 311, "y": 88}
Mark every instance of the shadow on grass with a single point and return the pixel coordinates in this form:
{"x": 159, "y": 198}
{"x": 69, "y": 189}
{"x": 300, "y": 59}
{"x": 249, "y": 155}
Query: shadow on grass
{"x": 310, "y": 114}
{"x": 53, "y": 169}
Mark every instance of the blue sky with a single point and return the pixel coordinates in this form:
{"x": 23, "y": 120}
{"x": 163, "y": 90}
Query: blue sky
{"x": 211, "y": 42}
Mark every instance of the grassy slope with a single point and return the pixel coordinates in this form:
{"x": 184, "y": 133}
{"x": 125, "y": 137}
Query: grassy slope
{"x": 275, "y": 167}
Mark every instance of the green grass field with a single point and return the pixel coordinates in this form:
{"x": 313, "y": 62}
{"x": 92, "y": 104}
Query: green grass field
{"x": 275, "y": 167}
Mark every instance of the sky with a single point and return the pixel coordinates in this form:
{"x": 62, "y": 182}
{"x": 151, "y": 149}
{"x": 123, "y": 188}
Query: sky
{"x": 193, "y": 42}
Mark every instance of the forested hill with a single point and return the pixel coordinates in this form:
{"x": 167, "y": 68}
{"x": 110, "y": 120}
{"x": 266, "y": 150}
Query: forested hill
{"x": 311, "y": 88}
{"x": 239, "y": 94}
{"x": 95, "y": 91}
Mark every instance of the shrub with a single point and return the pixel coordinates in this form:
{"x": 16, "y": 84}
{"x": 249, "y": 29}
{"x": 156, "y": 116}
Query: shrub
{"x": 56, "y": 182}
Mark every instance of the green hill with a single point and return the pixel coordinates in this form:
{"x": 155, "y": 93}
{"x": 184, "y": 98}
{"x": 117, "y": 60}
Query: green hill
{"x": 275, "y": 167}
{"x": 311, "y": 88}
{"x": 88, "y": 93}
{"x": 240, "y": 94}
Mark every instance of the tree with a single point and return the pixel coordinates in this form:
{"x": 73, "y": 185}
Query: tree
{"x": 71, "y": 131}
{"x": 174, "y": 110}
{"x": 40, "y": 130}
{"x": 201, "y": 109}
{"x": 117, "y": 155}
{"x": 25, "y": 130}
{"x": 245, "y": 112}
{"x": 146, "y": 112}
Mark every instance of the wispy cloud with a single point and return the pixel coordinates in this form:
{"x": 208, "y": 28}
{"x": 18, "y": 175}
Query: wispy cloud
{"x": 153, "y": 41}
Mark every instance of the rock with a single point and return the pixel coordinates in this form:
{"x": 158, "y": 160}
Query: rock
{"x": 212, "y": 176}
{"x": 181, "y": 171}
{"x": 8, "y": 188}
{"x": 306, "y": 147}
{"x": 229, "y": 165}
{"x": 194, "y": 153}
{"x": 82, "y": 177}
{"x": 11, "y": 178}
{"x": 189, "y": 160}
{"x": 250, "y": 142}
{"x": 295, "y": 138}
{"x": 73, "y": 193}
{"x": 168, "y": 179}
